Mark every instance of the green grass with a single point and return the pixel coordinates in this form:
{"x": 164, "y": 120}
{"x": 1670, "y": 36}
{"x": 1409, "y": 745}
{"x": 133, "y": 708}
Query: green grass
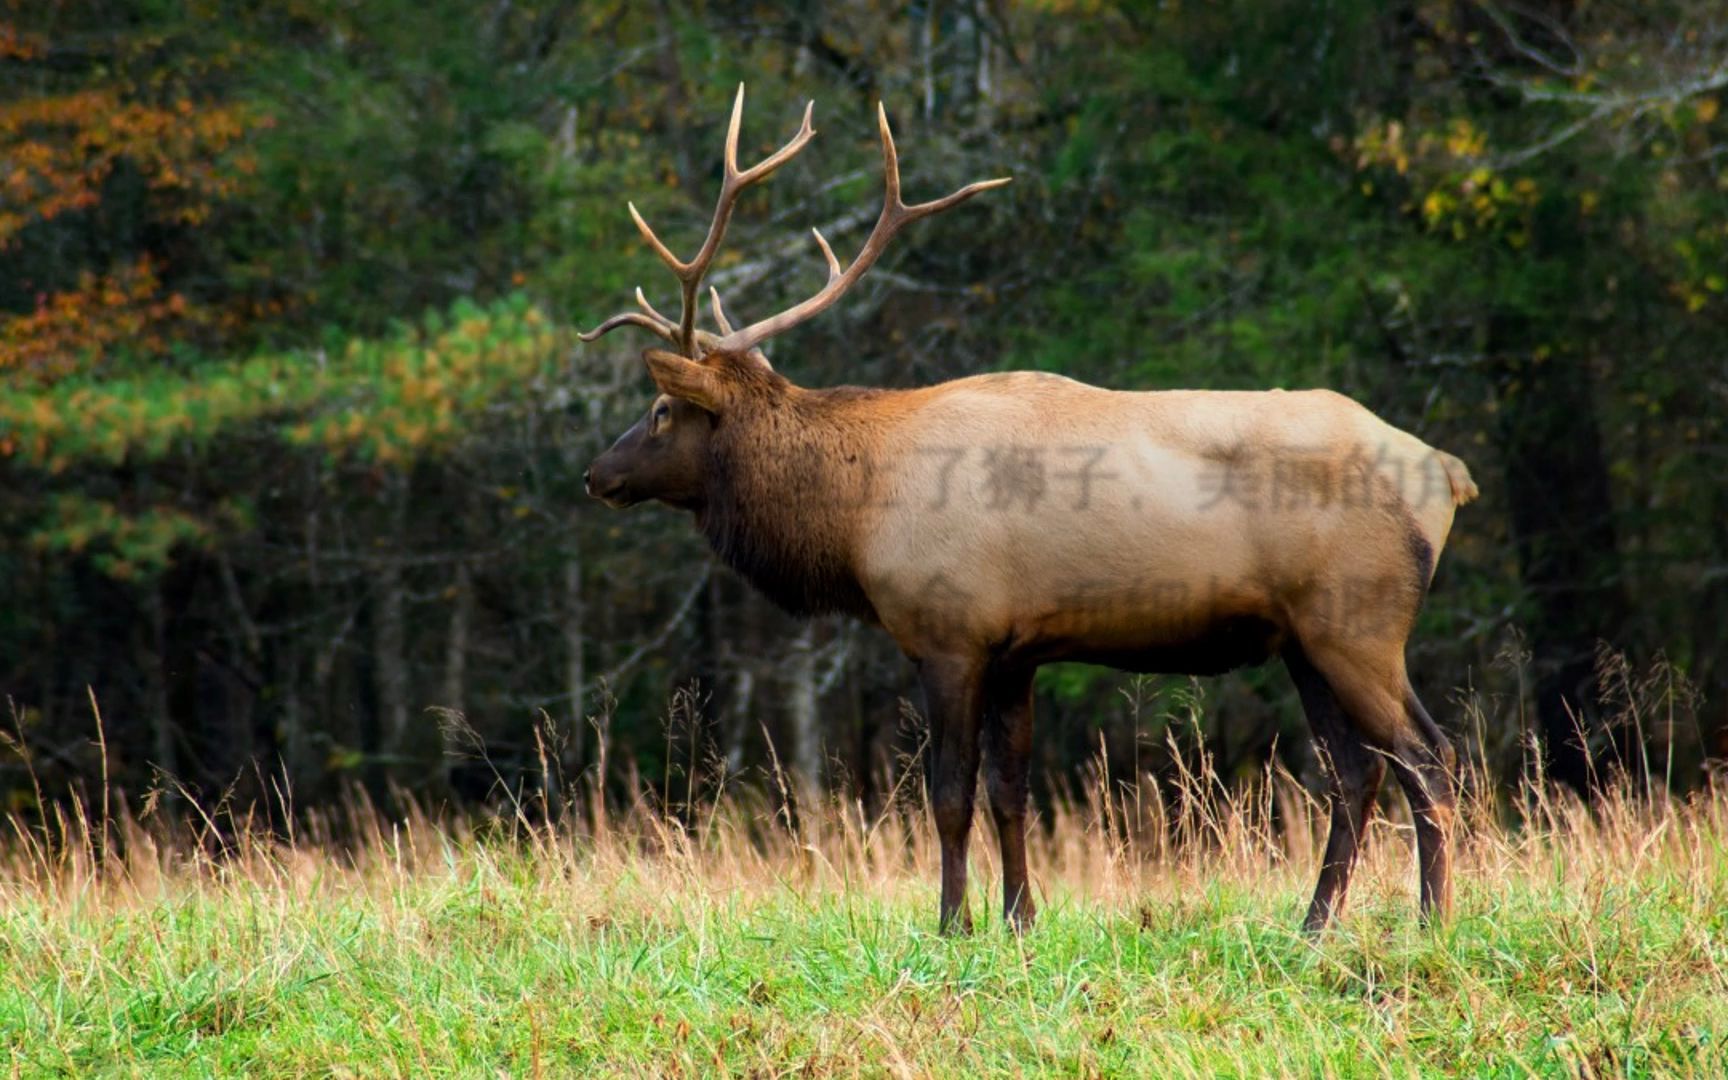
{"x": 1589, "y": 947}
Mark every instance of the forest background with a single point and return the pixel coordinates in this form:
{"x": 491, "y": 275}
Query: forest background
{"x": 293, "y": 418}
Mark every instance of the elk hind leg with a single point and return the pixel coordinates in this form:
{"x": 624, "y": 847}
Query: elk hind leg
{"x": 1425, "y": 771}
{"x": 1371, "y": 686}
{"x": 1353, "y": 776}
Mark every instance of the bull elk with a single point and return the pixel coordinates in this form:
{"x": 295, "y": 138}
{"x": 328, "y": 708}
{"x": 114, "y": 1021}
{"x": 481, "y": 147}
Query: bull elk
{"x": 999, "y": 522}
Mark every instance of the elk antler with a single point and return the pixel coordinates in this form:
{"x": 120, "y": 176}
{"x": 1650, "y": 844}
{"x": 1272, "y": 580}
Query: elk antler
{"x": 689, "y": 274}
{"x": 895, "y": 214}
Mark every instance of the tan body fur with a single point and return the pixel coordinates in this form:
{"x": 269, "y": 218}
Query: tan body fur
{"x": 1169, "y": 513}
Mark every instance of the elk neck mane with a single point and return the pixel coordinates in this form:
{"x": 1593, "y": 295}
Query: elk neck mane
{"x": 789, "y": 488}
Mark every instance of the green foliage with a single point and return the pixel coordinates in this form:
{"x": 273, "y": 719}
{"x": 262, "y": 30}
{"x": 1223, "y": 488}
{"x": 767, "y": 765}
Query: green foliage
{"x": 410, "y": 397}
{"x": 130, "y": 543}
{"x": 388, "y": 399}
{"x": 1502, "y": 230}
{"x": 1224, "y": 253}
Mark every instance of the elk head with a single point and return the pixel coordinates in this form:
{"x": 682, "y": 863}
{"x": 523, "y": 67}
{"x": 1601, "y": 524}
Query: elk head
{"x": 708, "y": 378}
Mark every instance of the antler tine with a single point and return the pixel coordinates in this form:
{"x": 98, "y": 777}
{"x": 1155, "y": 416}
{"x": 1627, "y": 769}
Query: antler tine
{"x": 632, "y": 318}
{"x": 689, "y": 274}
{"x": 827, "y": 253}
{"x": 719, "y": 314}
{"x": 725, "y": 325}
{"x": 891, "y": 164}
{"x": 648, "y": 318}
{"x": 660, "y": 249}
{"x": 890, "y": 160}
{"x": 760, "y": 170}
{"x": 642, "y": 302}
{"x": 895, "y": 215}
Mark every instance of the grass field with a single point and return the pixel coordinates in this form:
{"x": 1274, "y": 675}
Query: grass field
{"x": 1590, "y": 945}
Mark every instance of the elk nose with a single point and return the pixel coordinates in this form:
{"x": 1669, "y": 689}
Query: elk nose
{"x": 587, "y": 481}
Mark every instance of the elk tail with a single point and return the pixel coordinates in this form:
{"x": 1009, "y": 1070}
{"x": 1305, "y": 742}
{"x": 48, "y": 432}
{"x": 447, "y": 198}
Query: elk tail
{"x": 1458, "y": 477}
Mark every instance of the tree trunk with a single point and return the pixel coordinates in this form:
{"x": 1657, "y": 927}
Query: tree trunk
{"x": 455, "y": 695}
{"x": 575, "y": 665}
{"x": 802, "y": 713}
{"x": 296, "y": 751}
{"x": 389, "y": 633}
{"x": 1710, "y": 666}
{"x": 251, "y": 740}
{"x": 1563, "y": 528}
{"x": 674, "y": 103}
{"x": 931, "y": 33}
{"x": 738, "y": 725}
{"x": 163, "y": 756}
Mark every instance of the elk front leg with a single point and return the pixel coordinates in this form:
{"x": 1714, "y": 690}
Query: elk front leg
{"x": 953, "y": 693}
{"x": 1007, "y": 761}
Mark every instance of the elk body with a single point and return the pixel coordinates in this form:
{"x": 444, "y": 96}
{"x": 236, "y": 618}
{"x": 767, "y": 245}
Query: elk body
{"x": 1000, "y": 522}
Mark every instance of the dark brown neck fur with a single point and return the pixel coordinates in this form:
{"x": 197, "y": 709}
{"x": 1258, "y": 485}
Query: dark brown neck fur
{"x": 788, "y": 491}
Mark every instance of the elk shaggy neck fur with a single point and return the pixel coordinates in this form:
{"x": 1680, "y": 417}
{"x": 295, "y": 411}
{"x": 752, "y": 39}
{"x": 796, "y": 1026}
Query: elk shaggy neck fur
{"x": 790, "y": 478}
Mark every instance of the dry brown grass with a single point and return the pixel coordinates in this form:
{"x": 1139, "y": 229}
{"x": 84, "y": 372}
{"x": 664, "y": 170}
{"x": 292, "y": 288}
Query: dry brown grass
{"x": 741, "y": 938}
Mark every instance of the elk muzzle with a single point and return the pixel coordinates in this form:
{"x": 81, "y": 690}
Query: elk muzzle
{"x": 608, "y": 480}
{"x": 605, "y": 482}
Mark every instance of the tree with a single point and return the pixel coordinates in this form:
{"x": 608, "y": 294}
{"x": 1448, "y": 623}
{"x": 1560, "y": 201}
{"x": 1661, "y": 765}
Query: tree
{"x": 115, "y": 157}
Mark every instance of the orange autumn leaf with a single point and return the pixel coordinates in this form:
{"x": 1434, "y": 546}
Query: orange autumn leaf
{"x": 15, "y": 44}
{"x": 77, "y": 327}
{"x": 58, "y": 151}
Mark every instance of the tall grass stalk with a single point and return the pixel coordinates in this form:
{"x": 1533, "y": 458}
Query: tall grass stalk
{"x": 741, "y": 937}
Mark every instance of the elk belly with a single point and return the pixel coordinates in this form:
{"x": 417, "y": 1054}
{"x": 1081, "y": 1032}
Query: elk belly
{"x": 1104, "y": 551}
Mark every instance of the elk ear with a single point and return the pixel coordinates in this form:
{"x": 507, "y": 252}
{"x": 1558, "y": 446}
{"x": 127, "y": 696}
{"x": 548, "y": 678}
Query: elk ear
{"x": 681, "y": 377}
